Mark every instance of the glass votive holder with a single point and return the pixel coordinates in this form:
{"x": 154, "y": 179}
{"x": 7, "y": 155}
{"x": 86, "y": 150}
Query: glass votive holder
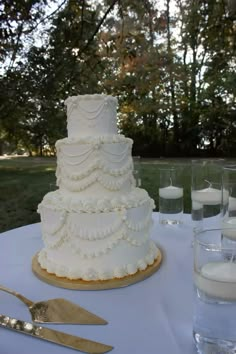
{"x": 206, "y": 194}
{"x": 229, "y": 205}
{"x": 214, "y": 277}
{"x": 170, "y": 196}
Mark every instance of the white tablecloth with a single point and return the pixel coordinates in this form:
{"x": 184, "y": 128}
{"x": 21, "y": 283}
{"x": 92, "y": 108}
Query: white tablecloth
{"x": 150, "y": 317}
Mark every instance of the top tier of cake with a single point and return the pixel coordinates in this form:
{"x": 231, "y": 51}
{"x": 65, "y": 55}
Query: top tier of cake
{"x": 91, "y": 115}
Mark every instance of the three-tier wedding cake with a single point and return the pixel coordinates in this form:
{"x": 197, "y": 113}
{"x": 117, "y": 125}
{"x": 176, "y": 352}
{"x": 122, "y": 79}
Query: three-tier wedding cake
{"x": 96, "y": 225}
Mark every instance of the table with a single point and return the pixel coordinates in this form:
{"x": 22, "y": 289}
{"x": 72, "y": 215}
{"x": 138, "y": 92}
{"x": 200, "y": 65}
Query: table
{"x": 150, "y": 317}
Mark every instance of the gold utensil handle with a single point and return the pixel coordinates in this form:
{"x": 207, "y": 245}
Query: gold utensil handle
{"x": 19, "y": 296}
{"x": 61, "y": 338}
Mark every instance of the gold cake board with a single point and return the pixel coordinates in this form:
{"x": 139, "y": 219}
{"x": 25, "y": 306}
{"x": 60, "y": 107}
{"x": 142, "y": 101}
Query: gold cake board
{"x": 79, "y": 284}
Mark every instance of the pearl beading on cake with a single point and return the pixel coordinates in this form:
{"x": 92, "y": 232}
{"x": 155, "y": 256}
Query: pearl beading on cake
{"x": 96, "y": 165}
{"x": 95, "y": 177}
{"x": 93, "y": 235}
{"x": 58, "y": 201}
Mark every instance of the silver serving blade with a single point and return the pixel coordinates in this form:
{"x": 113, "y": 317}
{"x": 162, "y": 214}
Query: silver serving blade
{"x": 51, "y": 335}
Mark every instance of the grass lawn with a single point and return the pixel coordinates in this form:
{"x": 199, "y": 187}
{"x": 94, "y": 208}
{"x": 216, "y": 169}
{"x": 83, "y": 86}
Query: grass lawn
{"x": 24, "y": 181}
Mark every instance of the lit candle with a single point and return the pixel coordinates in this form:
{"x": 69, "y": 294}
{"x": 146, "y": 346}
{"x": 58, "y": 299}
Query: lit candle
{"x": 207, "y": 196}
{"x": 217, "y": 279}
{"x": 171, "y": 192}
{"x": 229, "y": 228}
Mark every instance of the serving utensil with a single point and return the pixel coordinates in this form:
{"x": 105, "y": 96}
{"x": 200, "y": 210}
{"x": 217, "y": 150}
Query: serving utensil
{"x": 61, "y": 338}
{"x": 57, "y": 311}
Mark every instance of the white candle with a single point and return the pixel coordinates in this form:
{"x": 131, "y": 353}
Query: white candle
{"x": 171, "y": 192}
{"x": 217, "y": 279}
{"x": 225, "y": 196}
{"x": 232, "y": 203}
{"x": 196, "y": 205}
{"x": 229, "y": 226}
{"x": 207, "y": 196}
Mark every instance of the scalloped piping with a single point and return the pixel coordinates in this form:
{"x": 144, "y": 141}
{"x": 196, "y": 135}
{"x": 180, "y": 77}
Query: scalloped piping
{"x": 123, "y": 225}
{"x": 113, "y": 185}
{"x": 87, "y": 97}
{"x": 96, "y": 147}
{"x": 96, "y": 165}
{"x": 95, "y": 177}
{"x": 139, "y": 226}
{"x": 110, "y": 244}
{"x": 94, "y": 235}
{"x": 86, "y": 155}
{"x": 135, "y": 242}
{"x": 44, "y": 221}
{"x": 91, "y": 116}
{"x": 112, "y": 236}
{"x": 54, "y": 241}
{"x": 94, "y": 274}
{"x": 65, "y": 158}
{"x": 103, "y": 139}
{"x": 137, "y": 197}
{"x": 88, "y": 115}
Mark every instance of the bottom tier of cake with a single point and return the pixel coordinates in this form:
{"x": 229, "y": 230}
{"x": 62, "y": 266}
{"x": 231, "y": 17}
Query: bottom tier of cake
{"x": 96, "y": 239}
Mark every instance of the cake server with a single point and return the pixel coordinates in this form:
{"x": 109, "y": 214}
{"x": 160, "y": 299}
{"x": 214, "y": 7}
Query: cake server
{"x": 57, "y": 311}
{"x": 51, "y": 335}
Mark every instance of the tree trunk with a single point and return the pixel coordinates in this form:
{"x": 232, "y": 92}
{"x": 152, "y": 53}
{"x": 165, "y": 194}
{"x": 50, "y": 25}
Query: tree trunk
{"x": 171, "y": 77}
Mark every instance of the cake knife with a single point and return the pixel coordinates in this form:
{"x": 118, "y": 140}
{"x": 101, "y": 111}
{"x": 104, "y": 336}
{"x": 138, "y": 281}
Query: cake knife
{"x": 57, "y": 311}
{"x": 51, "y": 335}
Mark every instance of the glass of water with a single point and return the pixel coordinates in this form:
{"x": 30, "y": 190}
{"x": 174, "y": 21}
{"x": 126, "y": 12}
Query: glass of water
{"x": 229, "y": 204}
{"x": 170, "y": 196}
{"x": 214, "y": 320}
{"x": 206, "y": 194}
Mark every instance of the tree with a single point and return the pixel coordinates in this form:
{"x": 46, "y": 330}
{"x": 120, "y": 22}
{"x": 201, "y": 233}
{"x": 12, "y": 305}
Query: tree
{"x": 173, "y": 73}
{"x": 17, "y": 20}
{"x": 206, "y": 36}
{"x": 130, "y": 44}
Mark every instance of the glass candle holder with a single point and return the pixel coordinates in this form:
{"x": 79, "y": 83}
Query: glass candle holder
{"x": 214, "y": 276}
{"x": 229, "y": 205}
{"x": 170, "y": 196}
{"x": 206, "y": 194}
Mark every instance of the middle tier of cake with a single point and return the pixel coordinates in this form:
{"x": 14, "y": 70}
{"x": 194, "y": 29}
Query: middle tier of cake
{"x": 95, "y": 165}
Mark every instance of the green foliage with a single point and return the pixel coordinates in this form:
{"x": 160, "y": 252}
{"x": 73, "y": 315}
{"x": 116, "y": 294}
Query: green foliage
{"x": 176, "y": 92}
{"x": 17, "y": 20}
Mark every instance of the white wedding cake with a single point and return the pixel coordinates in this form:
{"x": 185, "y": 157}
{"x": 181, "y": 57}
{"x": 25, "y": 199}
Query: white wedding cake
{"x": 96, "y": 225}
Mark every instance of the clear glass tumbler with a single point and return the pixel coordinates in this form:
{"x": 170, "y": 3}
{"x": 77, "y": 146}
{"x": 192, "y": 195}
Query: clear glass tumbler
{"x": 206, "y": 192}
{"x": 214, "y": 319}
{"x": 170, "y": 196}
{"x": 229, "y": 205}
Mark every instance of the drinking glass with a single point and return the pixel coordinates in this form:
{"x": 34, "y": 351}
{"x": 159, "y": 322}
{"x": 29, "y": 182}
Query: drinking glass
{"x": 170, "y": 196}
{"x": 214, "y": 319}
{"x": 206, "y": 194}
{"x": 229, "y": 204}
